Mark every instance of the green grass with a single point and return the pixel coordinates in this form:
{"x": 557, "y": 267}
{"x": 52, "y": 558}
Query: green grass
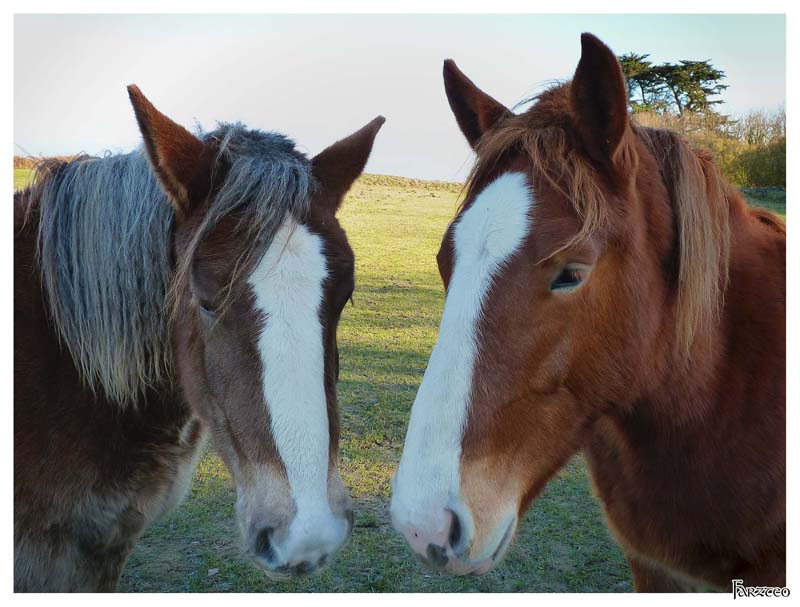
{"x": 395, "y": 227}
{"x": 773, "y": 199}
{"x": 21, "y": 178}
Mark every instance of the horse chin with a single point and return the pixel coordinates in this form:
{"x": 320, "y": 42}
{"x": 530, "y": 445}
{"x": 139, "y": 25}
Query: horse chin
{"x": 482, "y": 568}
{"x": 286, "y": 573}
{"x": 272, "y": 574}
{"x": 478, "y": 567}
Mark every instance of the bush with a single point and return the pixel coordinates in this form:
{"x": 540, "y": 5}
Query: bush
{"x": 750, "y": 151}
{"x": 764, "y": 165}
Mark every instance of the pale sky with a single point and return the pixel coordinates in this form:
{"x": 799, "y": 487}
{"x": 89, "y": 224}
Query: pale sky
{"x": 317, "y": 78}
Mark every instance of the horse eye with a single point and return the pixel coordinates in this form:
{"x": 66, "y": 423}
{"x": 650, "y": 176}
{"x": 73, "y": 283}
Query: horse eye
{"x": 568, "y": 279}
{"x": 206, "y": 308}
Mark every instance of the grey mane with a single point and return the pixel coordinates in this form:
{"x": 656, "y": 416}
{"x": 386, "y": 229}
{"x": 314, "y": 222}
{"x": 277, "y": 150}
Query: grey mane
{"x": 105, "y": 253}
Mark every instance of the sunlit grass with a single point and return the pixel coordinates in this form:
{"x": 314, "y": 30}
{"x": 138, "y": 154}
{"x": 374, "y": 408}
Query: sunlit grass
{"x": 773, "y": 199}
{"x": 21, "y": 178}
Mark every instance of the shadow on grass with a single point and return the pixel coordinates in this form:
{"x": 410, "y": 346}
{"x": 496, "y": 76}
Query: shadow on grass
{"x": 562, "y": 545}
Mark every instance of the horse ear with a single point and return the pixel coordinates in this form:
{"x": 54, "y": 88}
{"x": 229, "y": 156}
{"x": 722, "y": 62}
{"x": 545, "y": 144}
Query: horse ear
{"x": 338, "y": 166}
{"x": 182, "y": 163}
{"x": 599, "y": 100}
{"x": 475, "y": 111}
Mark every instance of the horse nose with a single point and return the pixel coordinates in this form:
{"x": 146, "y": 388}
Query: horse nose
{"x": 300, "y": 550}
{"x": 263, "y": 545}
{"x": 435, "y": 543}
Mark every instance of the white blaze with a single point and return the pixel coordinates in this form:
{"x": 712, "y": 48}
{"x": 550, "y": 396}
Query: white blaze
{"x": 288, "y": 287}
{"x": 485, "y": 237}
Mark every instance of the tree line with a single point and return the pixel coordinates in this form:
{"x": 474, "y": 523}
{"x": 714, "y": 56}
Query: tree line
{"x": 685, "y": 96}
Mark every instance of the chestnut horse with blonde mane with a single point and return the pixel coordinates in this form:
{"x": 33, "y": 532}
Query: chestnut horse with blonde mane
{"x": 189, "y": 288}
{"x": 607, "y": 291}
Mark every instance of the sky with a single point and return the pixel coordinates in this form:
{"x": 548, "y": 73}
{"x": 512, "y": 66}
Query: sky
{"x": 317, "y": 78}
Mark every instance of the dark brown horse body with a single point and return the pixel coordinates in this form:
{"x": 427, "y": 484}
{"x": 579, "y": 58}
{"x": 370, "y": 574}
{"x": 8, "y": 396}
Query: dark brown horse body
{"x": 105, "y": 433}
{"x": 89, "y": 476}
{"x": 623, "y": 301}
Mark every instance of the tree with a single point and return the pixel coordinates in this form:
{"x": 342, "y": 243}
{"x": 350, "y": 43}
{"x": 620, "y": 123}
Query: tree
{"x": 691, "y": 84}
{"x": 686, "y": 86}
{"x": 638, "y": 75}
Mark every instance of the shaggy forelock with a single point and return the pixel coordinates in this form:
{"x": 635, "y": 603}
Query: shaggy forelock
{"x": 104, "y": 247}
{"x": 267, "y": 178}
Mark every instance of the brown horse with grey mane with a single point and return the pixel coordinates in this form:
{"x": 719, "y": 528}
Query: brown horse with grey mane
{"x": 190, "y": 288}
{"x": 607, "y": 291}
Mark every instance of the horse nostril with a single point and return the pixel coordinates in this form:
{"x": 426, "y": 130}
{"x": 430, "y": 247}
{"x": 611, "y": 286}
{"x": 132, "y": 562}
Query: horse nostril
{"x": 303, "y": 568}
{"x": 264, "y": 544}
{"x": 455, "y": 532}
{"x": 436, "y": 555}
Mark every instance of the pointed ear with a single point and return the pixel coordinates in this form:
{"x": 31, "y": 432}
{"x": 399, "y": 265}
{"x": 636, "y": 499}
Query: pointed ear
{"x": 599, "y": 100}
{"x": 475, "y": 111}
{"x": 182, "y": 163}
{"x": 338, "y": 166}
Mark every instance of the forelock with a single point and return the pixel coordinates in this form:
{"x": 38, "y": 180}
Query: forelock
{"x": 266, "y": 180}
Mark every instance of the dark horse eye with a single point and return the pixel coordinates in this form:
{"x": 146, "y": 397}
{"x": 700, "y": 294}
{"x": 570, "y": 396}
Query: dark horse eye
{"x": 206, "y": 307}
{"x": 568, "y": 279}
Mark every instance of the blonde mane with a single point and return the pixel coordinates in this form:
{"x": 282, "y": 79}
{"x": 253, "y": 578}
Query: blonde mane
{"x": 700, "y": 197}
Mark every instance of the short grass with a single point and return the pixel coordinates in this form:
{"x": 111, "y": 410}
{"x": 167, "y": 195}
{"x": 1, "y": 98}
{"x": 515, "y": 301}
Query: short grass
{"x": 773, "y": 199}
{"x": 394, "y": 226}
{"x": 21, "y": 178}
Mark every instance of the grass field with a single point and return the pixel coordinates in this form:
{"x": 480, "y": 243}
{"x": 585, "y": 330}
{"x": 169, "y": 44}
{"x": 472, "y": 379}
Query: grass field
{"x": 773, "y": 199}
{"x": 394, "y": 226}
{"x": 21, "y": 178}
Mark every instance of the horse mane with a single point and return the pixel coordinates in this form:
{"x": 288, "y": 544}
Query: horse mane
{"x": 104, "y": 247}
{"x": 699, "y": 194}
{"x": 700, "y": 198}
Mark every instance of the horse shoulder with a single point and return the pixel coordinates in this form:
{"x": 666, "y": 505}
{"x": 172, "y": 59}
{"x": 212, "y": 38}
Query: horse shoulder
{"x": 84, "y": 494}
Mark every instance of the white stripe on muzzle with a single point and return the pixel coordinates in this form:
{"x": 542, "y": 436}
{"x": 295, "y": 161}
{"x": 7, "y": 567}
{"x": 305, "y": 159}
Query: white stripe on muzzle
{"x": 288, "y": 287}
{"x": 485, "y": 237}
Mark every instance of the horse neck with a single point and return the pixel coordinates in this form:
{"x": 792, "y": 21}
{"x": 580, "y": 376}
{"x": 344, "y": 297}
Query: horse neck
{"x": 27, "y": 277}
{"x": 36, "y": 335}
{"x": 733, "y": 357}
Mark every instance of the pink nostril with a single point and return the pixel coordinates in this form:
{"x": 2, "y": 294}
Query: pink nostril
{"x": 436, "y": 533}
